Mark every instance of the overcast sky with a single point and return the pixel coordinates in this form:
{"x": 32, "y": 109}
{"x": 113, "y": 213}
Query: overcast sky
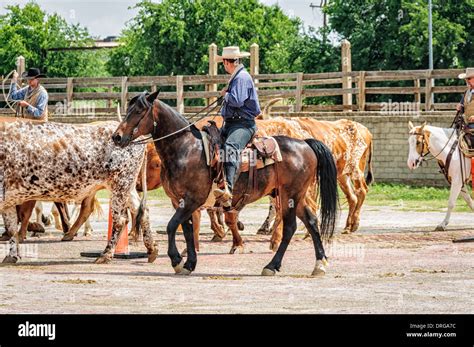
{"x": 108, "y": 17}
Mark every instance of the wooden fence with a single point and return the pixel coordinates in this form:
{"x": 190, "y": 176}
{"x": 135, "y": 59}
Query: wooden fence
{"x": 336, "y": 90}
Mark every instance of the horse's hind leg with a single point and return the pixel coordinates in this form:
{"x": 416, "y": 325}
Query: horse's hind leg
{"x": 311, "y": 223}
{"x": 467, "y": 198}
{"x": 216, "y": 225}
{"x": 11, "y": 226}
{"x": 87, "y": 206}
{"x": 289, "y": 228}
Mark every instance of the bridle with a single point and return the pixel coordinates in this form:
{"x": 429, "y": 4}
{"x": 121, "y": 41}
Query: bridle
{"x": 146, "y": 104}
{"x": 423, "y": 156}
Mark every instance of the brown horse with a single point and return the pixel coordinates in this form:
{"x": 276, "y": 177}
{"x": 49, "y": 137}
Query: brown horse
{"x": 187, "y": 180}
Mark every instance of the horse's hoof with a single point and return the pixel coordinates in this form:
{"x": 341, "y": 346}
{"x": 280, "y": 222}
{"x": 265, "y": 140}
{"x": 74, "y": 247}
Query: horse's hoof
{"x": 440, "y": 228}
{"x": 346, "y": 231}
{"x": 153, "y": 255}
{"x": 178, "y": 268}
{"x": 184, "y": 253}
{"x": 217, "y": 238}
{"x": 320, "y": 268}
{"x": 67, "y": 237}
{"x": 184, "y": 272}
{"x": 237, "y": 249}
{"x": 10, "y": 260}
{"x": 103, "y": 259}
{"x": 268, "y": 272}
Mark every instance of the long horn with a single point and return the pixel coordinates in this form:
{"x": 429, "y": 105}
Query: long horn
{"x": 119, "y": 116}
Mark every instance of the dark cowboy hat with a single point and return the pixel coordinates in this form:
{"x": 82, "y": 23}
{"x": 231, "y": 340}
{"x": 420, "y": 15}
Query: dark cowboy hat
{"x": 32, "y": 73}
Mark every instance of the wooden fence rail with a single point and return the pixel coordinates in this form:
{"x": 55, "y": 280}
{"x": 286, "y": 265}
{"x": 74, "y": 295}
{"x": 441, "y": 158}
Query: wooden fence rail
{"x": 338, "y": 88}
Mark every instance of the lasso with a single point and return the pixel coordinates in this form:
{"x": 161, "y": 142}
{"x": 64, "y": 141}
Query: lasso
{"x": 10, "y": 103}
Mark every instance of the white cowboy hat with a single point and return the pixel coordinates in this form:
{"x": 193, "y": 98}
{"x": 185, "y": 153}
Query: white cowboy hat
{"x": 468, "y": 74}
{"x": 232, "y": 52}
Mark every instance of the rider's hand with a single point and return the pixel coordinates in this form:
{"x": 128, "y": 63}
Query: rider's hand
{"x": 459, "y": 107}
{"x": 223, "y": 91}
{"x": 23, "y": 103}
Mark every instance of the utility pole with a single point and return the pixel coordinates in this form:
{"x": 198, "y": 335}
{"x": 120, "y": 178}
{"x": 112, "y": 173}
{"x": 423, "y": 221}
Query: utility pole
{"x": 322, "y": 4}
{"x": 430, "y": 41}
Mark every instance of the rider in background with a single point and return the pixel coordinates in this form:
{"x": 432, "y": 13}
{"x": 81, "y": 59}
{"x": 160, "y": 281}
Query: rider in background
{"x": 33, "y": 98}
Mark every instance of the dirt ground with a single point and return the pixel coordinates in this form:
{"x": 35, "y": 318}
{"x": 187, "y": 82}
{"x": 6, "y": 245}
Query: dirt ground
{"x": 394, "y": 264}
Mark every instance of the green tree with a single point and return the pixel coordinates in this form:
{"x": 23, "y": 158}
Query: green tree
{"x": 393, "y": 34}
{"x": 172, "y": 37}
{"x": 29, "y": 31}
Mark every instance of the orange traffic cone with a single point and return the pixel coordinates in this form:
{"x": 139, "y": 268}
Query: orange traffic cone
{"x": 122, "y": 244}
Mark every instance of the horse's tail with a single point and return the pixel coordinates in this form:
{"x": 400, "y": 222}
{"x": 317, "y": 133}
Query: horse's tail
{"x": 327, "y": 185}
{"x": 370, "y": 173}
{"x": 142, "y": 207}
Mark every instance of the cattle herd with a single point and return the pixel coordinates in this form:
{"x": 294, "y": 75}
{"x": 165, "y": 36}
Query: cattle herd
{"x": 64, "y": 163}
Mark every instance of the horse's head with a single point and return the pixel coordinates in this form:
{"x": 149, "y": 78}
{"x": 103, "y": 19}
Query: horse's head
{"x": 418, "y": 145}
{"x": 138, "y": 121}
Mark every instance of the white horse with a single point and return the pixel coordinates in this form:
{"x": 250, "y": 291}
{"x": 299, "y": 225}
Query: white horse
{"x": 426, "y": 139}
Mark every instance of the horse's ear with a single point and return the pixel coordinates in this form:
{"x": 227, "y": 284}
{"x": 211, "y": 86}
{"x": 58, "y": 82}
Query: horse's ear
{"x": 150, "y": 98}
{"x": 410, "y": 125}
{"x": 423, "y": 126}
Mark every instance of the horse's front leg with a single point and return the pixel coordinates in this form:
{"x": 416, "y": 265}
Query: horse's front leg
{"x": 10, "y": 219}
{"x": 456, "y": 186}
{"x": 181, "y": 216}
{"x": 467, "y": 197}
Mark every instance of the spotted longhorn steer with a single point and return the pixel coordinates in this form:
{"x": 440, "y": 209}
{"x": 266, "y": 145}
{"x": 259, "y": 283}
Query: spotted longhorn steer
{"x": 64, "y": 162}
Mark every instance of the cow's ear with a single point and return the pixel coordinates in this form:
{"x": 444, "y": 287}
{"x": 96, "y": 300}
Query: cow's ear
{"x": 410, "y": 125}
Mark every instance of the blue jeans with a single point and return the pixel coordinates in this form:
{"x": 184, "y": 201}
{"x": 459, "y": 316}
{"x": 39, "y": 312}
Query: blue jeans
{"x": 237, "y": 135}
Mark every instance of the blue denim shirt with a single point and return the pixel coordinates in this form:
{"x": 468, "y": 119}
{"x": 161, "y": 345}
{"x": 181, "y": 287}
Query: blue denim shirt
{"x": 241, "y": 98}
{"x": 19, "y": 94}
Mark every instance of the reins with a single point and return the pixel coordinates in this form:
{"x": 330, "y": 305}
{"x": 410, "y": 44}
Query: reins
{"x": 424, "y": 155}
{"x": 155, "y": 123}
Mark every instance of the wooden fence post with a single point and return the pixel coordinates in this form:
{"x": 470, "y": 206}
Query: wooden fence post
{"x": 20, "y": 66}
{"x": 69, "y": 91}
{"x": 212, "y": 71}
{"x": 361, "y": 86}
{"x": 299, "y": 92}
{"x": 346, "y": 80}
{"x": 179, "y": 94}
{"x": 254, "y": 59}
{"x": 124, "y": 94}
{"x": 417, "y": 93}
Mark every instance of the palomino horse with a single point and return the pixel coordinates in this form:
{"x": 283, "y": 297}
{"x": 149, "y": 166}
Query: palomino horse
{"x": 426, "y": 139}
{"x": 64, "y": 162}
{"x": 187, "y": 180}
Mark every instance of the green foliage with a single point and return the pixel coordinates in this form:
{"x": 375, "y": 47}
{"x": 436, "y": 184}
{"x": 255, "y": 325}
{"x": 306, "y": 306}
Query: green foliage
{"x": 393, "y": 34}
{"x": 172, "y": 37}
{"x": 29, "y": 32}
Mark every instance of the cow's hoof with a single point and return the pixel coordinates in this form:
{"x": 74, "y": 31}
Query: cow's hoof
{"x": 320, "y": 268}
{"x": 67, "y": 237}
{"x": 178, "y": 268}
{"x": 10, "y": 260}
{"x": 153, "y": 255}
{"x": 268, "y": 272}
{"x": 263, "y": 232}
{"x": 184, "y": 272}
{"x": 217, "y": 238}
{"x": 237, "y": 249}
{"x": 440, "y": 228}
{"x": 103, "y": 259}
{"x": 274, "y": 246}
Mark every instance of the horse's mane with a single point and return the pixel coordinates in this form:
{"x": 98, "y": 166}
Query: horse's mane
{"x": 193, "y": 129}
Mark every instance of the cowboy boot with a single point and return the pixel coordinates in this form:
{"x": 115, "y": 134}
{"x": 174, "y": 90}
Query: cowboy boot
{"x": 224, "y": 195}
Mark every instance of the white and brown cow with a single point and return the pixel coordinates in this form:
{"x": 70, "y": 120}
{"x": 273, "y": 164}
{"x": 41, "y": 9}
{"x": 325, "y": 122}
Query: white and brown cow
{"x": 65, "y": 162}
